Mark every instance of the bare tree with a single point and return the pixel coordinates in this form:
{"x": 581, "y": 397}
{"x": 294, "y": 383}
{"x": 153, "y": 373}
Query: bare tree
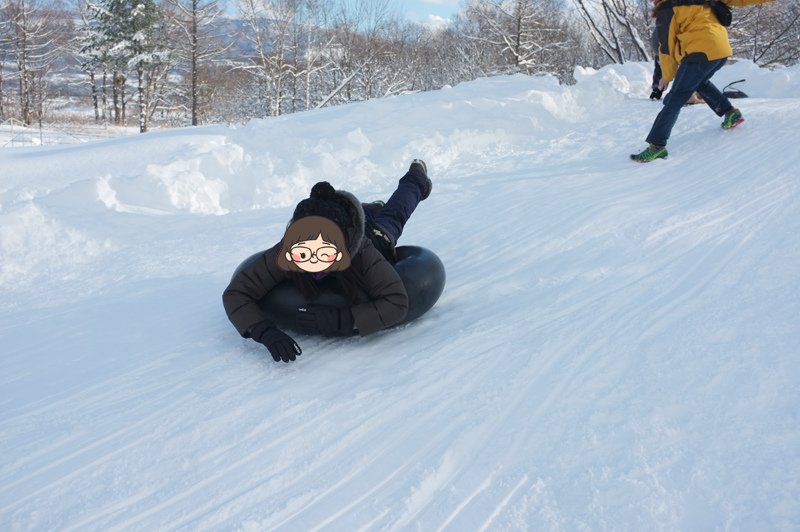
{"x": 461, "y": 53}
{"x": 317, "y": 41}
{"x": 270, "y": 26}
{"x": 32, "y": 38}
{"x": 198, "y": 41}
{"x": 522, "y": 31}
{"x": 616, "y": 27}
{"x": 408, "y": 63}
{"x": 359, "y": 37}
{"x": 767, "y": 34}
{"x": 5, "y": 48}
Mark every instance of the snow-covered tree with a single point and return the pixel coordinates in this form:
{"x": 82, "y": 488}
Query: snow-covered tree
{"x": 147, "y": 55}
{"x": 103, "y": 37}
{"x": 129, "y": 36}
{"x": 521, "y": 31}
{"x": 93, "y": 56}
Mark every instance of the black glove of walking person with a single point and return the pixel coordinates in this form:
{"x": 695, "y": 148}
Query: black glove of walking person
{"x": 656, "y": 94}
{"x": 325, "y": 319}
{"x": 280, "y": 345}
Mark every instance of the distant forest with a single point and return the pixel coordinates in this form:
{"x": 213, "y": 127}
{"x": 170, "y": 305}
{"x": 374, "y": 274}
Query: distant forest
{"x": 169, "y": 63}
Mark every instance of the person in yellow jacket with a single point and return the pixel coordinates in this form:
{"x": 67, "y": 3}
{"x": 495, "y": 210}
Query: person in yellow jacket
{"x": 693, "y": 46}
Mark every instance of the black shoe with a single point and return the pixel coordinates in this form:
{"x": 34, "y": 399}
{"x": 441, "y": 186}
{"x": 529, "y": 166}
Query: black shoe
{"x": 656, "y": 94}
{"x": 419, "y": 169}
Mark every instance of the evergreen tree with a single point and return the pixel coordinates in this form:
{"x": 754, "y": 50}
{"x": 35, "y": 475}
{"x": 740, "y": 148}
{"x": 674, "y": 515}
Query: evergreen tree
{"x": 128, "y": 36}
{"x": 147, "y": 54}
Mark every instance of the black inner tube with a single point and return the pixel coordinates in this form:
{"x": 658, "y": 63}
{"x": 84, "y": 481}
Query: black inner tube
{"x": 420, "y": 269}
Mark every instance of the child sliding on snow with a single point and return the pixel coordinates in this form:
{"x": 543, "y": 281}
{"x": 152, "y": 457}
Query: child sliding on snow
{"x": 331, "y": 234}
{"x": 693, "y": 45}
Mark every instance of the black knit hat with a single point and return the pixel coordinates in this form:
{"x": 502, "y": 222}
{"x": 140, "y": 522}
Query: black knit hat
{"x": 323, "y": 201}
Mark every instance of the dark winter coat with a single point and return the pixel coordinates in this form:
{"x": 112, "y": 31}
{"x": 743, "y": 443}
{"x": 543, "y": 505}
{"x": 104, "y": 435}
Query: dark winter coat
{"x": 688, "y": 33}
{"x": 379, "y": 297}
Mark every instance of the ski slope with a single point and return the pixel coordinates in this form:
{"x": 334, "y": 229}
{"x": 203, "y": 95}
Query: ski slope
{"x": 616, "y": 347}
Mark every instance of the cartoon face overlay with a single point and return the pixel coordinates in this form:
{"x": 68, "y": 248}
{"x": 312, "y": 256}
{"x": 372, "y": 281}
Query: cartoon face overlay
{"x": 300, "y": 251}
{"x": 314, "y": 256}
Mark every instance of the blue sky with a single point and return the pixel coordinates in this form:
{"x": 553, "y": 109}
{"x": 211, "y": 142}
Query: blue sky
{"x": 428, "y": 11}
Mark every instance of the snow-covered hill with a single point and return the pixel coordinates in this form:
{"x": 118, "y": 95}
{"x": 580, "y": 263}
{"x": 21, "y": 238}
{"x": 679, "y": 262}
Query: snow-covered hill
{"x": 617, "y": 346}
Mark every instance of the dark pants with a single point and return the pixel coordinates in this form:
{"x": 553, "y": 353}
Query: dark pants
{"x": 393, "y": 215}
{"x": 691, "y": 76}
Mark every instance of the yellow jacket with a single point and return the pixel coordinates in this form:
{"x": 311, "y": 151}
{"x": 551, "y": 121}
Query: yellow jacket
{"x": 688, "y": 32}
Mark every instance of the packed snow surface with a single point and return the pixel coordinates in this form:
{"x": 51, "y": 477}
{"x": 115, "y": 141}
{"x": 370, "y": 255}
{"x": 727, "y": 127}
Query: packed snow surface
{"x": 617, "y": 346}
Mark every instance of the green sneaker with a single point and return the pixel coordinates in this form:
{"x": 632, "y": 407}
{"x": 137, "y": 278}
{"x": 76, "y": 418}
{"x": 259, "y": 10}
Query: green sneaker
{"x": 651, "y": 153}
{"x": 732, "y": 119}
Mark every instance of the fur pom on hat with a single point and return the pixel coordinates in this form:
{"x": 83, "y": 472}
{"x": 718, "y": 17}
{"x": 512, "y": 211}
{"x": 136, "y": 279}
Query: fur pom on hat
{"x": 339, "y": 206}
{"x": 322, "y": 202}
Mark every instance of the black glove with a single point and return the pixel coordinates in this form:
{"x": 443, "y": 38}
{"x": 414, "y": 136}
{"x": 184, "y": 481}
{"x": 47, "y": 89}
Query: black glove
{"x": 325, "y": 319}
{"x": 280, "y": 345}
{"x": 656, "y": 94}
